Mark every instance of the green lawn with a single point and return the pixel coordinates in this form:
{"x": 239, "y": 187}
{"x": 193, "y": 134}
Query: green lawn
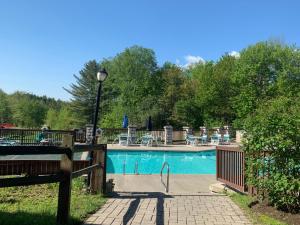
{"x": 243, "y": 201}
{"x": 37, "y": 205}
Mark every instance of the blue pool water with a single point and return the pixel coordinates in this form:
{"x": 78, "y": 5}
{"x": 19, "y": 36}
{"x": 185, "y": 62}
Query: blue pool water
{"x": 150, "y": 162}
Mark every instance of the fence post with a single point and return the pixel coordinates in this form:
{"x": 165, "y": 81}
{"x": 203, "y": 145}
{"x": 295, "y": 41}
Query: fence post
{"x": 168, "y": 135}
{"x": 64, "y": 193}
{"x": 98, "y": 173}
{"x": 89, "y": 133}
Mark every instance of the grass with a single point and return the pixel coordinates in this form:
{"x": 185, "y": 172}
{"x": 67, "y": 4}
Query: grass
{"x": 37, "y": 204}
{"x": 243, "y": 201}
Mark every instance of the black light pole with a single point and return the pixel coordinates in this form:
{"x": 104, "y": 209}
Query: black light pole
{"x": 101, "y": 76}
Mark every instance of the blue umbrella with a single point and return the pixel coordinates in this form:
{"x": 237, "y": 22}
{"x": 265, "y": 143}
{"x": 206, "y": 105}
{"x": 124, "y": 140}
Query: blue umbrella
{"x": 149, "y": 124}
{"x": 125, "y": 121}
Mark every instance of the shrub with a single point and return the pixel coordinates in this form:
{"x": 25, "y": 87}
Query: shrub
{"x": 272, "y": 150}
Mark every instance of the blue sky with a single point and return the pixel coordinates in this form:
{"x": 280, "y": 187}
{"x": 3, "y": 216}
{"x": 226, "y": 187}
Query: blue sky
{"x": 43, "y": 43}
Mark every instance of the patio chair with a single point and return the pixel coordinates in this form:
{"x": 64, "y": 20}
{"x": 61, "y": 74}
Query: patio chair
{"x": 147, "y": 140}
{"x": 191, "y": 140}
{"x": 226, "y": 138}
{"x": 216, "y": 138}
{"x": 203, "y": 139}
{"x": 122, "y": 139}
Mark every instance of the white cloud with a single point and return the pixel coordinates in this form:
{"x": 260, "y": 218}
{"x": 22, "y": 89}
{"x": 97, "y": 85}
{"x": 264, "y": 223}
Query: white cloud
{"x": 190, "y": 60}
{"x": 234, "y": 54}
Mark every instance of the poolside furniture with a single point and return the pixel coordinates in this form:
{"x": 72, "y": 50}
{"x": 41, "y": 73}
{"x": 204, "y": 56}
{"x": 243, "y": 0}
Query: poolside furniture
{"x": 147, "y": 140}
{"x": 195, "y": 140}
{"x": 124, "y": 140}
{"x": 204, "y": 139}
{"x": 226, "y": 137}
{"x": 216, "y": 138}
{"x": 7, "y": 142}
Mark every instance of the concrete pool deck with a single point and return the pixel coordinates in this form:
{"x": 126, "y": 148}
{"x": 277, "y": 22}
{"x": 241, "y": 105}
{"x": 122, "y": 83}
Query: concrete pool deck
{"x": 179, "y": 183}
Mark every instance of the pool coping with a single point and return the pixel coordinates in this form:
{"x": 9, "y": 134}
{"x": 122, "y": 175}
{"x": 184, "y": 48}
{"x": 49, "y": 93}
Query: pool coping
{"x": 176, "y": 148}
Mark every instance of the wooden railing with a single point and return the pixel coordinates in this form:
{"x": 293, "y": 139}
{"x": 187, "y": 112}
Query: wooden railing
{"x": 231, "y": 167}
{"x": 64, "y": 175}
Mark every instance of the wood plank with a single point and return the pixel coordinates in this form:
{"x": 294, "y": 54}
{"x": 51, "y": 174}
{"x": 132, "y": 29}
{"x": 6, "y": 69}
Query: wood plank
{"x": 64, "y": 193}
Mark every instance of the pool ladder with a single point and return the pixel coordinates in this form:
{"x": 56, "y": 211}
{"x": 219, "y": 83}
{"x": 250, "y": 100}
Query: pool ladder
{"x": 168, "y": 175}
{"x": 136, "y": 167}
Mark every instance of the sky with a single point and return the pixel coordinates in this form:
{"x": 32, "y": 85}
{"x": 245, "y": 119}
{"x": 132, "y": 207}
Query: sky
{"x": 44, "y": 42}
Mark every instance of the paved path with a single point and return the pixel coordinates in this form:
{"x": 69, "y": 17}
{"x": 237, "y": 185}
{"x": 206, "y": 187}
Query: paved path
{"x": 161, "y": 209}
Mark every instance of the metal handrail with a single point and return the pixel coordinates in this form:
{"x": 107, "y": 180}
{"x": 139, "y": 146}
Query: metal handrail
{"x": 124, "y": 167}
{"x": 136, "y": 168}
{"x": 168, "y": 175}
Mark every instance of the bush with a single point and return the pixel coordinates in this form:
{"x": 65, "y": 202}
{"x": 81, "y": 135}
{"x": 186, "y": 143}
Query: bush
{"x": 284, "y": 193}
{"x": 272, "y": 150}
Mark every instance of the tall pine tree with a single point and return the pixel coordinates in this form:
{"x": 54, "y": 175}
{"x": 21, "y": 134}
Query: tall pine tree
{"x": 84, "y": 92}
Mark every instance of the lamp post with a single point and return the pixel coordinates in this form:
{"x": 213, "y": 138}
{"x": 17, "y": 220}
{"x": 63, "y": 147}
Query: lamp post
{"x": 101, "y": 76}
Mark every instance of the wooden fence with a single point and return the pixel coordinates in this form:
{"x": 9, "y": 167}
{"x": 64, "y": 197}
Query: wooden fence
{"x": 231, "y": 167}
{"x": 64, "y": 175}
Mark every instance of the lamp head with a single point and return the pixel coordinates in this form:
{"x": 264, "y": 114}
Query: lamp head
{"x": 101, "y": 75}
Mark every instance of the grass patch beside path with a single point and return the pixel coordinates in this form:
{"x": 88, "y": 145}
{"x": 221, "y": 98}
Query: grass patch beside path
{"x": 37, "y": 204}
{"x": 243, "y": 201}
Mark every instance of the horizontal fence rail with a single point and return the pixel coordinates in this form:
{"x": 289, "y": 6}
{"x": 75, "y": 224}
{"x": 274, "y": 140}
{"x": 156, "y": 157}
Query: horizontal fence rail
{"x": 36, "y": 167}
{"x": 231, "y": 167}
{"x": 63, "y": 171}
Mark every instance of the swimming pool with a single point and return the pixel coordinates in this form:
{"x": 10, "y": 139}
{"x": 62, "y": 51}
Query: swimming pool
{"x": 150, "y": 162}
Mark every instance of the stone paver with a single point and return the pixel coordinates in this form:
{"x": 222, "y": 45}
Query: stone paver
{"x": 163, "y": 209}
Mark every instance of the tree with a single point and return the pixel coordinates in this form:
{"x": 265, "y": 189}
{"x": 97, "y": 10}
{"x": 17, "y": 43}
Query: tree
{"x": 84, "y": 93}
{"x": 29, "y": 113}
{"x": 133, "y": 84}
{"x": 264, "y": 71}
{"x": 5, "y": 111}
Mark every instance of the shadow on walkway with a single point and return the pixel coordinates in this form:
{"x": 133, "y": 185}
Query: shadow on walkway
{"x": 134, "y": 205}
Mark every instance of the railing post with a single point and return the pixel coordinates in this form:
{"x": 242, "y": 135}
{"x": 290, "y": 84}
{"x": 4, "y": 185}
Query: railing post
{"x": 168, "y": 135}
{"x": 98, "y": 173}
{"x": 64, "y": 194}
{"x": 104, "y": 169}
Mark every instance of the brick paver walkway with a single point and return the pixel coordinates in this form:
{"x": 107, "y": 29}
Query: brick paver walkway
{"x": 162, "y": 209}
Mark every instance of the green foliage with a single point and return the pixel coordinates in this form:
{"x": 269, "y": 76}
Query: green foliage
{"x": 134, "y": 84}
{"x": 274, "y": 128}
{"x": 84, "y": 93}
{"x": 284, "y": 192}
{"x": 5, "y": 111}
{"x": 264, "y": 71}
{"x": 60, "y": 119}
{"x": 29, "y": 113}
{"x": 244, "y": 201}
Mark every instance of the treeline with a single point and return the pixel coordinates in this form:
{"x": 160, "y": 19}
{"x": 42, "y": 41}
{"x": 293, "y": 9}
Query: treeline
{"x": 31, "y": 111}
{"x": 227, "y": 91}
